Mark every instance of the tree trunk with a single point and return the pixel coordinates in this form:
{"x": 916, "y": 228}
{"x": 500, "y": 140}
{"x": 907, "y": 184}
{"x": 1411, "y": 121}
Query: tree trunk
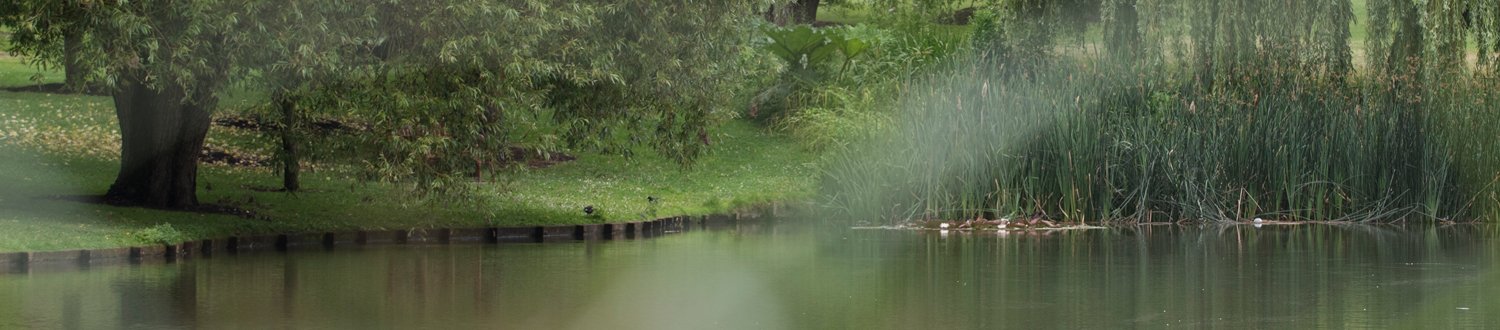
{"x": 1406, "y": 49}
{"x": 805, "y": 11}
{"x": 73, "y": 70}
{"x": 291, "y": 166}
{"x": 1340, "y": 57}
{"x": 1205, "y": 34}
{"x": 795, "y": 12}
{"x": 1404, "y": 66}
{"x": 161, "y": 139}
{"x": 1124, "y": 33}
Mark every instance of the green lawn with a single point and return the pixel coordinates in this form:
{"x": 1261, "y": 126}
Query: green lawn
{"x": 14, "y": 71}
{"x": 57, "y": 146}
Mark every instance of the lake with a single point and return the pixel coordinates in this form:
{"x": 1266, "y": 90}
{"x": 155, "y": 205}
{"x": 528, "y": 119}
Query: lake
{"x": 806, "y": 277}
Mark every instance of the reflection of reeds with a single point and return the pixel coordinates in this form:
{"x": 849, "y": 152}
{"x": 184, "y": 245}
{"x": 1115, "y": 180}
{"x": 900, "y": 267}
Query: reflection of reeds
{"x": 1099, "y": 143}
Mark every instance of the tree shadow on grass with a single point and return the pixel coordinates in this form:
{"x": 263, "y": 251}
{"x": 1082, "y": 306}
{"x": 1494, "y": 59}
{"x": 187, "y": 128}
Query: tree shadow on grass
{"x": 57, "y": 88}
{"x": 224, "y": 207}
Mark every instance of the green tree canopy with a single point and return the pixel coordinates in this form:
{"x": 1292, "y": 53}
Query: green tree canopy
{"x": 444, "y": 85}
{"x": 57, "y": 28}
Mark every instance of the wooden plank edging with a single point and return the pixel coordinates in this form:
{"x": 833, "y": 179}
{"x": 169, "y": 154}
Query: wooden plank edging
{"x": 23, "y": 261}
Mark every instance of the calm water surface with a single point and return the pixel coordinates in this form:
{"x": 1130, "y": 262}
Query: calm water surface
{"x": 790, "y": 277}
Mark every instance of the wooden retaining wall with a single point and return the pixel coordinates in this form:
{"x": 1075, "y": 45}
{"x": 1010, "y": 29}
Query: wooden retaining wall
{"x": 25, "y": 262}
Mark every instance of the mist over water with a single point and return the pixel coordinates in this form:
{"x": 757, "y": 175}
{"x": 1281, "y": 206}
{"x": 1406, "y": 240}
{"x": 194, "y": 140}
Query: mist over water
{"x": 793, "y": 277}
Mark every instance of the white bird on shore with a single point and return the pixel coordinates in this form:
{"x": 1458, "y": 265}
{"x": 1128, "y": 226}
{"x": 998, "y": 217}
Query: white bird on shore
{"x": 1259, "y": 220}
{"x": 943, "y": 225}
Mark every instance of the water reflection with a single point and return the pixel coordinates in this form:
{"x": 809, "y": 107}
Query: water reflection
{"x": 771, "y": 277}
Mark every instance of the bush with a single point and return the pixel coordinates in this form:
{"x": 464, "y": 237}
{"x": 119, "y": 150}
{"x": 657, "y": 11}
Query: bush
{"x": 828, "y": 100}
{"x": 159, "y": 234}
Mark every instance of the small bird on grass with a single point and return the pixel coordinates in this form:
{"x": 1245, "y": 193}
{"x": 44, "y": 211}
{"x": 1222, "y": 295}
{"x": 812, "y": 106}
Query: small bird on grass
{"x": 593, "y": 213}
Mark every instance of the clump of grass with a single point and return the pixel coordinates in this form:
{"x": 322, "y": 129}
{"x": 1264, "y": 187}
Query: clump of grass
{"x": 159, "y": 234}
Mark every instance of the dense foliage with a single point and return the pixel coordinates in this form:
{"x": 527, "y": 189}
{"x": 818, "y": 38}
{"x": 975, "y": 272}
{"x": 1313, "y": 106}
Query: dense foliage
{"x": 441, "y": 89}
{"x": 1092, "y": 110}
{"x": 456, "y": 89}
{"x": 1195, "y": 110}
{"x": 58, "y": 28}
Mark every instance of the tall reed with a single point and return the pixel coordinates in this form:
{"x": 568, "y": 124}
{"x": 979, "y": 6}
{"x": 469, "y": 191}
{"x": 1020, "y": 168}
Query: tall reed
{"x": 1096, "y": 142}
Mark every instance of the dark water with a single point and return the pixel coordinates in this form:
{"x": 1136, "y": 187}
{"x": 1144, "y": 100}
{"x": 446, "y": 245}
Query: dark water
{"x": 802, "y": 278}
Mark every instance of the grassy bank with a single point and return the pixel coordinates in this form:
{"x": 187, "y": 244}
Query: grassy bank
{"x": 60, "y": 148}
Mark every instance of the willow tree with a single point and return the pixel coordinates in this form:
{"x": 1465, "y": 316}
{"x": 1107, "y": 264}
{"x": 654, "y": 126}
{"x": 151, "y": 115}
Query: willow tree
{"x": 1484, "y": 19}
{"x": 38, "y": 22}
{"x": 1018, "y": 35}
{"x": 1422, "y": 37}
{"x": 165, "y": 63}
{"x": 1122, "y": 23}
{"x": 454, "y": 94}
{"x": 454, "y": 79}
{"x": 303, "y": 48}
{"x": 1235, "y": 40}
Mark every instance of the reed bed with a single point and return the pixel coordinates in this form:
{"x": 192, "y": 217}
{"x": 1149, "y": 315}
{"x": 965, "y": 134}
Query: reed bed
{"x": 1102, "y": 142}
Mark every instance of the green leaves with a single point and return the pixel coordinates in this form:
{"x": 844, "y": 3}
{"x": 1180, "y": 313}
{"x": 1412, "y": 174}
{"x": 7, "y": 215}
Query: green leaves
{"x": 443, "y": 87}
{"x": 850, "y": 47}
{"x": 799, "y": 46}
{"x": 465, "y": 82}
{"x": 806, "y": 48}
{"x": 809, "y": 54}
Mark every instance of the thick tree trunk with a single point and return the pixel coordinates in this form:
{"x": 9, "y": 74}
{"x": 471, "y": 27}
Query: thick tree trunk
{"x": 161, "y": 139}
{"x": 795, "y": 12}
{"x": 805, "y": 11}
{"x": 291, "y": 167}
{"x": 73, "y": 70}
